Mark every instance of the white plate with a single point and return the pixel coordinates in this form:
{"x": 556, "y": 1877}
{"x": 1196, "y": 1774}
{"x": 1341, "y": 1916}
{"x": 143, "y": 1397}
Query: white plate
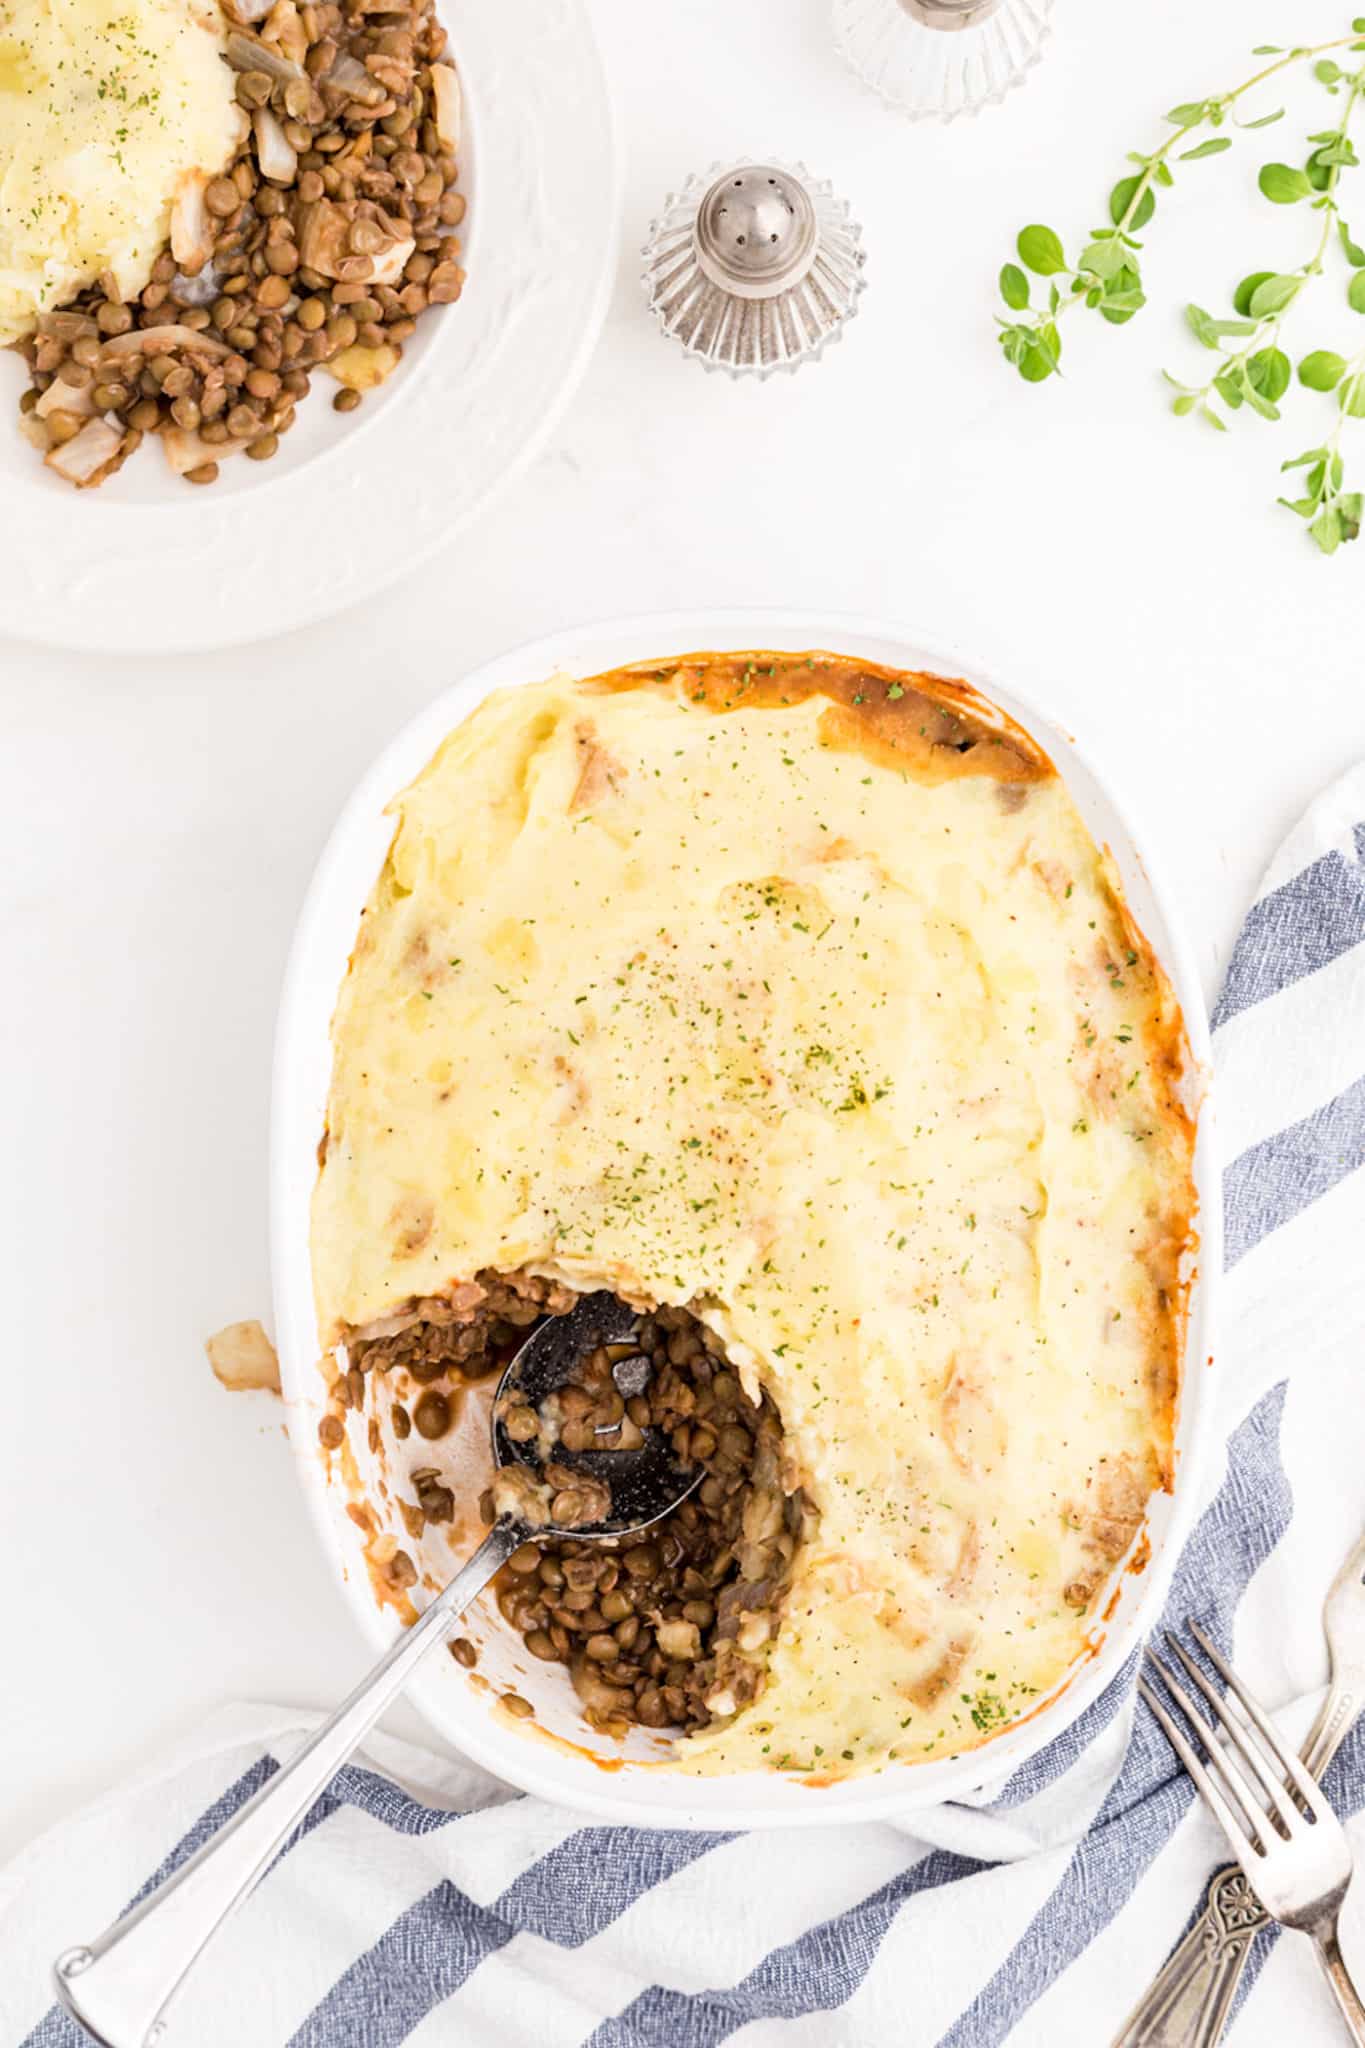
{"x": 456, "y": 1706}
{"x": 351, "y": 502}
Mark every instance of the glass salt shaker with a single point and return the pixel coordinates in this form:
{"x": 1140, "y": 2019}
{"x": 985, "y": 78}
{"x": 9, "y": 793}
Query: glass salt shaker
{"x": 937, "y": 59}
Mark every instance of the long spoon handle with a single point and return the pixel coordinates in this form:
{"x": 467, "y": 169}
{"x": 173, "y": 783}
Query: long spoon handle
{"x": 119, "y": 1985}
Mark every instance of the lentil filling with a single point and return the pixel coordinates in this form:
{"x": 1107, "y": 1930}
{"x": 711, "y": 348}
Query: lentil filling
{"x": 667, "y": 1630}
{"x": 322, "y": 243}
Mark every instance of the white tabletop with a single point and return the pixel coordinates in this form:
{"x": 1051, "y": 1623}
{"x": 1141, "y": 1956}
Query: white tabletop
{"x": 159, "y": 818}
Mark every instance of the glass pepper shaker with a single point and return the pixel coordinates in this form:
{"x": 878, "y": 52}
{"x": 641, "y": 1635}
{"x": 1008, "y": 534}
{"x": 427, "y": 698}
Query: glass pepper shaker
{"x": 754, "y": 267}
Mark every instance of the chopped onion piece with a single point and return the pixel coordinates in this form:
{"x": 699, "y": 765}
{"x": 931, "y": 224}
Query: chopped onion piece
{"x": 247, "y": 12}
{"x": 362, "y": 369}
{"x": 191, "y": 228}
{"x": 63, "y": 397}
{"x": 351, "y": 77}
{"x": 447, "y": 106}
{"x": 322, "y": 230}
{"x": 390, "y": 264}
{"x": 242, "y": 1357}
{"x": 156, "y": 340}
{"x": 276, "y": 156}
{"x": 249, "y": 53}
{"x": 89, "y": 456}
{"x": 284, "y": 31}
{"x": 201, "y": 290}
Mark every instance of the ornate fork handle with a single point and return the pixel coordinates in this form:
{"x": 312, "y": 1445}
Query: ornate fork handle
{"x": 1189, "y": 2003}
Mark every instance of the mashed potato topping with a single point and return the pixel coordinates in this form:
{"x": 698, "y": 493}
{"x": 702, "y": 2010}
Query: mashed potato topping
{"x": 105, "y": 105}
{"x": 795, "y": 991}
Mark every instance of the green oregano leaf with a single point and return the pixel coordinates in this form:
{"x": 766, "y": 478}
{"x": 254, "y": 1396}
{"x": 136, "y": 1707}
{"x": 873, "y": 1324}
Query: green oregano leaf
{"x": 1121, "y": 198}
{"x": 1201, "y": 326}
{"x": 1014, "y": 287}
{"x": 1247, "y": 289}
{"x": 1326, "y": 530}
{"x": 1269, "y": 373}
{"x": 1116, "y": 307}
{"x": 1323, "y": 370}
{"x": 1040, "y": 250}
{"x": 1274, "y": 295}
{"x": 1284, "y": 185}
{"x": 1104, "y": 258}
{"x": 1034, "y": 366}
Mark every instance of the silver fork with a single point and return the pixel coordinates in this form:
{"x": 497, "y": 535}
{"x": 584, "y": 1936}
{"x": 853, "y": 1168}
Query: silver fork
{"x": 1293, "y": 1849}
{"x": 1190, "y": 2000}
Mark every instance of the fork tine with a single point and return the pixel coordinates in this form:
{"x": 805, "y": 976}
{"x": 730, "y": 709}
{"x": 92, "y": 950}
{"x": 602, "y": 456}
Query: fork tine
{"x": 1246, "y": 1747}
{"x": 1221, "y": 1762}
{"x": 1241, "y": 1842}
{"x": 1289, "y": 1763}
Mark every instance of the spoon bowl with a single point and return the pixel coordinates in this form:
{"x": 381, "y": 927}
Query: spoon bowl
{"x": 645, "y": 1483}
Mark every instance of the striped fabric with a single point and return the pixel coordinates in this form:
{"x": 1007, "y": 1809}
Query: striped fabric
{"x": 423, "y": 1904}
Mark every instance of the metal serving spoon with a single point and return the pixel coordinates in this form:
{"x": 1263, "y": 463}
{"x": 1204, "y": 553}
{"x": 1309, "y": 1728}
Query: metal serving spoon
{"x": 120, "y": 1985}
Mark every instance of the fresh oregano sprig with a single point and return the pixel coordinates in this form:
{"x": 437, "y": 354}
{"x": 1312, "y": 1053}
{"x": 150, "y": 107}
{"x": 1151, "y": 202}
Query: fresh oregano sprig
{"x": 1258, "y": 373}
{"x": 1333, "y": 513}
{"x": 1253, "y": 371}
{"x": 1107, "y": 275}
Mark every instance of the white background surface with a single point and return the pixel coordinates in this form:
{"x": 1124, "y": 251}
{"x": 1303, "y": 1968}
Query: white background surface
{"x": 159, "y": 818}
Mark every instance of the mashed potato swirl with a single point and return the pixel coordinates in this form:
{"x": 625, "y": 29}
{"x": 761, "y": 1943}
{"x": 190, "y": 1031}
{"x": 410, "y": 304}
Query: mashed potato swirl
{"x": 105, "y": 105}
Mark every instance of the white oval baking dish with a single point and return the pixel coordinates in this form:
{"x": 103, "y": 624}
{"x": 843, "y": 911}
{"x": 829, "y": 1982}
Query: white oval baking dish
{"x": 556, "y": 1757}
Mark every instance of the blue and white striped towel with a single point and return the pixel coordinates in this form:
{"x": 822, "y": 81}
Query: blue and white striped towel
{"x": 425, "y": 1904}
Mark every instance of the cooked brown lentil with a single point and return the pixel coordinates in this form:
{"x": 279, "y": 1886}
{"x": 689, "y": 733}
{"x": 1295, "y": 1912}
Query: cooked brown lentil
{"x": 432, "y": 1414}
{"x": 670, "y": 1630}
{"x": 353, "y": 100}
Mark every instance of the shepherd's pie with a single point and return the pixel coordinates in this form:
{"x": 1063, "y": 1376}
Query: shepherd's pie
{"x": 791, "y": 995}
